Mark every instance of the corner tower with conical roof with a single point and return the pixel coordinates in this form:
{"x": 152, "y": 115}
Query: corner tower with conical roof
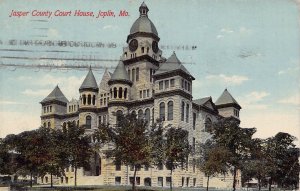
{"x": 228, "y": 106}
{"x": 87, "y": 101}
{"x": 120, "y": 88}
{"x": 54, "y": 106}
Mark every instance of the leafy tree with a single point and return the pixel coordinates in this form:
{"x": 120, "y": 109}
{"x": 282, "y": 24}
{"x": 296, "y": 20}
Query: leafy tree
{"x": 228, "y": 134}
{"x": 212, "y": 160}
{"x": 176, "y": 148}
{"x": 77, "y": 147}
{"x": 131, "y": 143}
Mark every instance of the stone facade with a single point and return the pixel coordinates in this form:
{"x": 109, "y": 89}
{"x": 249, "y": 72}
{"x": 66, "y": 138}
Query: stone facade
{"x": 153, "y": 87}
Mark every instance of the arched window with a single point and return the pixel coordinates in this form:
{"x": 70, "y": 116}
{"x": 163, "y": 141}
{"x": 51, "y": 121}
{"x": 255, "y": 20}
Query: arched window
{"x": 170, "y": 110}
{"x": 208, "y": 125}
{"x": 89, "y": 99}
{"x": 133, "y": 112}
{"x": 119, "y": 115}
{"x": 182, "y": 111}
{"x": 84, "y": 99}
{"x": 187, "y": 113}
{"x": 125, "y": 93}
{"x": 94, "y": 99}
{"x": 147, "y": 115}
{"x": 120, "y": 92}
{"x": 49, "y": 125}
{"x": 133, "y": 75}
{"x": 140, "y": 114}
{"x": 88, "y": 122}
{"x": 115, "y": 92}
{"x": 162, "y": 111}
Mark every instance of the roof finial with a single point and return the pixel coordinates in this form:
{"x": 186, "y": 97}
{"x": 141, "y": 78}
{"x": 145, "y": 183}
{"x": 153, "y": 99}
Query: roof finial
{"x": 143, "y": 9}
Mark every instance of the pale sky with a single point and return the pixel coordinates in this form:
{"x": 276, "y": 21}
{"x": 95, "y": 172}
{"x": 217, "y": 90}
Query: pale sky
{"x": 250, "y": 47}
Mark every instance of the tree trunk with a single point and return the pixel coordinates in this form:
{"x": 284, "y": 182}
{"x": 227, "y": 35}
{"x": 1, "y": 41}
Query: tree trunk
{"x": 259, "y": 183}
{"x": 207, "y": 183}
{"x": 75, "y": 182}
{"x": 134, "y": 174}
{"x": 234, "y": 178}
{"x": 270, "y": 183}
{"x": 31, "y": 179}
{"x": 171, "y": 187}
{"x": 51, "y": 179}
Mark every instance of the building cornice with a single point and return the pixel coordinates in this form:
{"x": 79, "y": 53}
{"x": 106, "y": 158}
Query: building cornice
{"x": 173, "y": 92}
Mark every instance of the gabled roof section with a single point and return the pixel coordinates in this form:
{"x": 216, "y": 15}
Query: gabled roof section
{"x": 89, "y": 82}
{"x": 56, "y": 95}
{"x": 105, "y": 78}
{"x": 201, "y": 101}
{"x": 226, "y": 99}
{"x": 120, "y": 73}
{"x": 172, "y": 64}
{"x": 206, "y": 103}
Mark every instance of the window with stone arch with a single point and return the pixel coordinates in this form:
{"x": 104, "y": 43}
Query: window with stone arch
{"x": 94, "y": 99}
{"x": 84, "y": 99}
{"x": 162, "y": 111}
{"x": 120, "y": 92}
{"x": 89, "y": 99}
{"x": 208, "y": 125}
{"x": 88, "y": 122}
{"x": 170, "y": 110}
{"x": 125, "y": 93}
{"x": 140, "y": 114}
{"x": 115, "y": 92}
{"x": 147, "y": 115}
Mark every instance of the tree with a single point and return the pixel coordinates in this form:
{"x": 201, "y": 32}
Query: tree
{"x": 131, "y": 143}
{"x": 77, "y": 147}
{"x": 227, "y": 133}
{"x": 176, "y": 148}
{"x": 212, "y": 160}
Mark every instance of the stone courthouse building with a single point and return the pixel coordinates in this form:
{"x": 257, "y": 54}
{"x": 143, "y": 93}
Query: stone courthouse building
{"x": 145, "y": 83}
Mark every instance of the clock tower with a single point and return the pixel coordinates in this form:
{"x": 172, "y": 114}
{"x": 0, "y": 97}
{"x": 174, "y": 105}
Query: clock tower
{"x": 142, "y": 56}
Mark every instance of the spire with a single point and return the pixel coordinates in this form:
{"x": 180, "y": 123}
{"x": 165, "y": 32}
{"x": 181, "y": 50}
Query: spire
{"x": 89, "y": 81}
{"x": 143, "y": 9}
{"x": 120, "y": 73}
{"x": 227, "y": 99}
{"x": 56, "y": 95}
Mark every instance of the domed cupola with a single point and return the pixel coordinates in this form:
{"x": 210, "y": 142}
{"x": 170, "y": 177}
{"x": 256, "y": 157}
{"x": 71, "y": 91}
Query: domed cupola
{"x": 119, "y": 84}
{"x": 143, "y": 26}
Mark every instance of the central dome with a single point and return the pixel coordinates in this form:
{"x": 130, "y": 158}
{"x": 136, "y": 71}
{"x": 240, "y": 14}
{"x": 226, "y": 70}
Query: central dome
{"x": 143, "y": 24}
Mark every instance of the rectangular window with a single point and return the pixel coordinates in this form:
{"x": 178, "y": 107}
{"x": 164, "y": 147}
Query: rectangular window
{"x": 137, "y": 74}
{"x": 131, "y": 180}
{"x": 182, "y": 181}
{"x": 194, "y": 165}
{"x": 194, "y": 121}
{"x": 182, "y": 111}
{"x": 189, "y": 87}
{"x": 148, "y": 93}
{"x": 187, "y": 112}
{"x": 101, "y": 102}
{"x": 144, "y": 93}
{"x": 133, "y": 75}
{"x": 138, "y": 180}
{"x": 150, "y": 74}
{"x": 182, "y": 83}
{"x": 117, "y": 180}
{"x": 187, "y": 181}
{"x": 141, "y": 94}
{"x": 168, "y": 181}
{"x": 194, "y": 143}
{"x": 129, "y": 74}
{"x": 172, "y": 83}
{"x": 44, "y": 109}
{"x": 160, "y": 181}
{"x": 166, "y": 84}
{"x": 104, "y": 101}
{"x": 50, "y": 108}
{"x": 194, "y": 182}
{"x": 185, "y": 85}
{"x": 118, "y": 166}
{"x": 99, "y": 119}
{"x": 104, "y": 119}
{"x": 161, "y": 85}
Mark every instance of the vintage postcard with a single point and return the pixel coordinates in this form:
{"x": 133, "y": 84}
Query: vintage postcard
{"x": 190, "y": 64}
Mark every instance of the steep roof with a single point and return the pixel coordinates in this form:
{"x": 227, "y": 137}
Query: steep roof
{"x": 201, "y": 101}
{"x": 226, "y": 99}
{"x": 89, "y": 82}
{"x": 172, "y": 63}
{"x": 120, "y": 72}
{"x": 56, "y": 95}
